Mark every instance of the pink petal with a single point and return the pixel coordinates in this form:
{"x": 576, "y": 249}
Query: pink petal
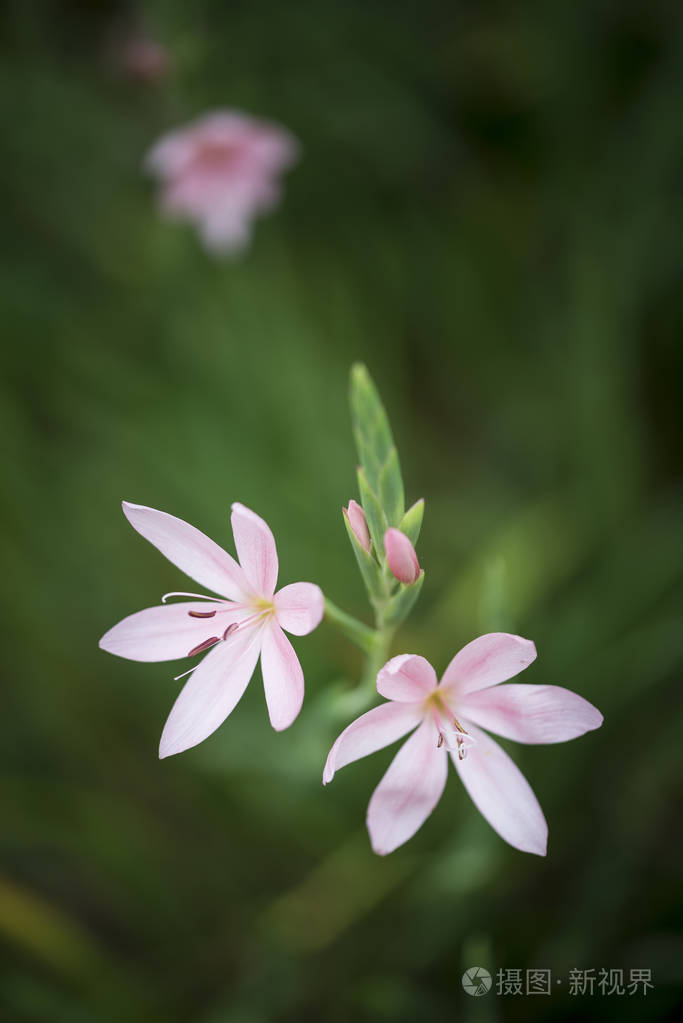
{"x": 255, "y": 549}
{"x": 531, "y": 714}
{"x": 212, "y": 691}
{"x": 488, "y": 660}
{"x": 193, "y": 553}
{"x": 165, "y": 633}
{"x": 370, "y": 732}
{"x": 502, "y": 794}
{"x": 283, "y": 679}
{"x": 408, "y": 792}
{"x": 299, "y": 607}
{"x": 407, "y": 678}
{"x": 401, "y": 556}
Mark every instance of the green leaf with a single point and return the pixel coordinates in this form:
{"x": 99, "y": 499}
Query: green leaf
{"x": 377, "y": 522}
{"x": 411, "y": 523}
{"x": 402, "y": 602}
{"x": 371, "y": 428}
{"x": 391, "y": 489}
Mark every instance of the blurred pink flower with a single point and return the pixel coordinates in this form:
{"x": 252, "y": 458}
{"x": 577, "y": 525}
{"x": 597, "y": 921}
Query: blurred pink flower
{"x": 247, "y": 623}
{"x": 401, "y": 556}
{"x": 219, "y": 172}
{"x": 446, "y": 717}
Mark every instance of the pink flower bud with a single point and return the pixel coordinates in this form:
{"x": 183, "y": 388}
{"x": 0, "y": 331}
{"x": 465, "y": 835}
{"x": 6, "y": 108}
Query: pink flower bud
{"x": 355, "y": 517}
{"x": 401, "y": 556}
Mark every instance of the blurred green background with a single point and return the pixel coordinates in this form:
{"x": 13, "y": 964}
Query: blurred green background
{"x": 489, "y": 213}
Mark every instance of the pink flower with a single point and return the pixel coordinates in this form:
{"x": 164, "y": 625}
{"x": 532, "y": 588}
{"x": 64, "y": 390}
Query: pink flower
{"x": 359, "y": 525}
{"x": 401, "y": 556}
{"x": 446, "y": 717}
{"x": 219, "y": 172}
{"x": 246, "y": 621}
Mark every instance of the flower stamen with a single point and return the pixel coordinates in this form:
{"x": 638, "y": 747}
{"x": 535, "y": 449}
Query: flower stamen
{"x": 450, "y": 732}
{"x": 184, "y": 593}
{"x": 204, "y": 646}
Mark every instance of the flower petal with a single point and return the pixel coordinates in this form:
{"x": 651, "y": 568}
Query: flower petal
{"x": 165, "y": 633}
{"x": 211, "y": 693}
{"x": 283, "y": 679}
{"x": 531, "y": 714}
{"x": 408, "y": 792}
{"x": 370, "y": 732}
{"x": 406, "y": 678}
{"x": 299, "y": 607}
{"x": 401, "y": 556}
{"x": 255, "y": 549}
{"x": 488, "y": 660}
{"x": 189, "y": 549}
{"x": 502, "y": 794}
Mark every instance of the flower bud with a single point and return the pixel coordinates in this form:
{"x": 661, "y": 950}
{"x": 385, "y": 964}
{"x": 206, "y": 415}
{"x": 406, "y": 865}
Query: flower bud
{"x": 355, "y": 516}
{"x": 401, "y": 556}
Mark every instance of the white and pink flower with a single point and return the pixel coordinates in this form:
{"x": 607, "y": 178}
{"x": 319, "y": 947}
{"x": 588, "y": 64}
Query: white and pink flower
{"x": 245, "y": 622}
{"x": 448, "y": 718}
{"x": 221, "y": 171}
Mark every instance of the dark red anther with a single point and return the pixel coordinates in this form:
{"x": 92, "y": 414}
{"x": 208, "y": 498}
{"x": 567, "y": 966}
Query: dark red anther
{"x": 204, "y": 646}
{"x": 201, "y": 614}
{"x": 231, "y": 628}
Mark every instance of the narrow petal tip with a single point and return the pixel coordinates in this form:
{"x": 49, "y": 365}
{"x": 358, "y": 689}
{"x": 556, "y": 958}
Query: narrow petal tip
{"x": 130, "y": 506}
{"x": 378, "y": 849}
{"x": 537, "y": 844}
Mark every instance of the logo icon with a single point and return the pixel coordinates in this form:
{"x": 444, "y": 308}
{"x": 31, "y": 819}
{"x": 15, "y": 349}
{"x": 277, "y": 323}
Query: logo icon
{"x": 476, "y": 981}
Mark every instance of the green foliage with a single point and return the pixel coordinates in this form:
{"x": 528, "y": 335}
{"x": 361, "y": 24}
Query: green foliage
{"x": 487, "y": 213}
{"x": 411, "y": 523}
{"x": 401, "y": 603}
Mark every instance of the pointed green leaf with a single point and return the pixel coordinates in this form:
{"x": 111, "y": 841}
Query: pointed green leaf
{"x": 371, "y": 428}
{"x": 402, "y": 602}
{"x": 391, "y": 489}
{"x": 367, "y": 457}
{"x": 411, "y": 523}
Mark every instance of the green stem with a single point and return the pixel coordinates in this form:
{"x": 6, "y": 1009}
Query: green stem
{"x": 374, "y": 643}
{"x": 362, "y": 635}
{"x": 378, "y": 656}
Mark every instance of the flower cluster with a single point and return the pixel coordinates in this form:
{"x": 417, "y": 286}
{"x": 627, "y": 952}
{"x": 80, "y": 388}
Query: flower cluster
{"x": 447, "y": 719}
